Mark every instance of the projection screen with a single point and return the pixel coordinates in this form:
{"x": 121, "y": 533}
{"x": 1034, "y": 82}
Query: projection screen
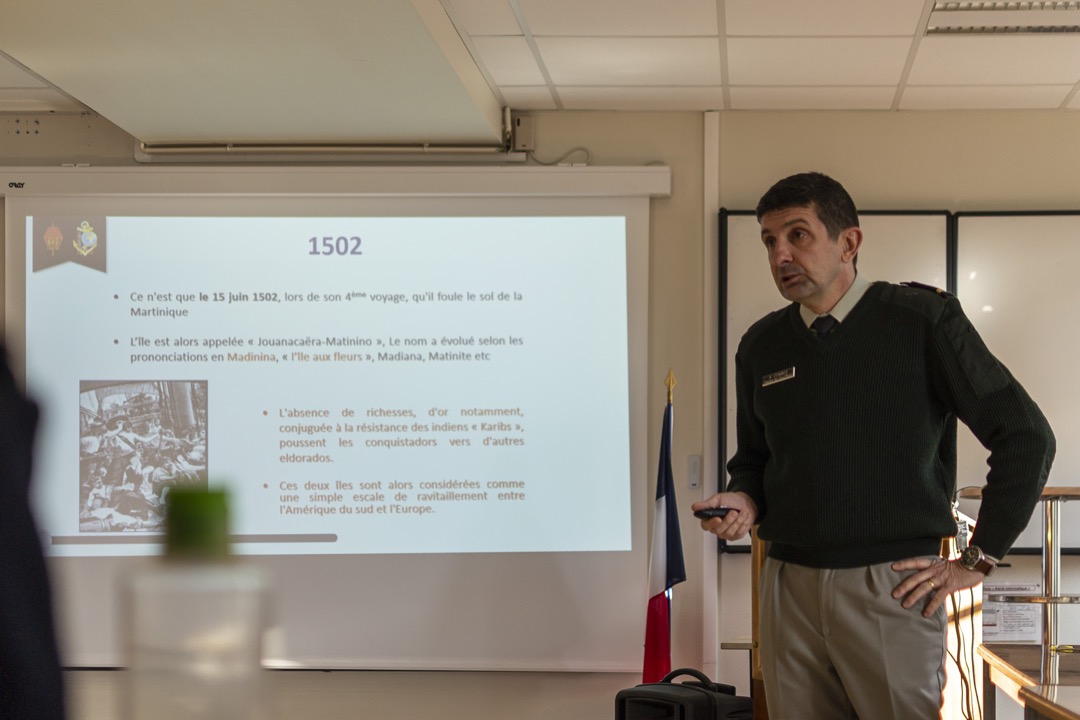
{"x": 423, "y": 389}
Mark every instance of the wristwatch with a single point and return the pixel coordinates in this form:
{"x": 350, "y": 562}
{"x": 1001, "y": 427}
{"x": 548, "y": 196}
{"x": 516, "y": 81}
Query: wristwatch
{"x": 973, "y": 558}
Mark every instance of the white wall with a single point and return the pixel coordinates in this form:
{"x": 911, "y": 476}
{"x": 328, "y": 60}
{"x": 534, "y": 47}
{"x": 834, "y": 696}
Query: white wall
{"x": 959, "y": 161}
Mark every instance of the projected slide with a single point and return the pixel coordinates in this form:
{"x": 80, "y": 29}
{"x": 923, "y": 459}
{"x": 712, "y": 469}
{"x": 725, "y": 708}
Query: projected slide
{"x": 360, "y": 385}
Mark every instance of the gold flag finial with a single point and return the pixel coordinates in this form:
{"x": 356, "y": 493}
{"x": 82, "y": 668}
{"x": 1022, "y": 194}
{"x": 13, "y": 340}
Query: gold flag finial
{"x": 670, "y": 382}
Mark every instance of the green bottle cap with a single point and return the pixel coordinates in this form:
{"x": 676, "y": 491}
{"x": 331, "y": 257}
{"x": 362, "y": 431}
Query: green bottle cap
{"x": 196, "y": 523}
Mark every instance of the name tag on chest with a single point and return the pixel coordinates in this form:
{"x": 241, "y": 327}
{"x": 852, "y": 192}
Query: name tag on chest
{"x": 778, "y": 377}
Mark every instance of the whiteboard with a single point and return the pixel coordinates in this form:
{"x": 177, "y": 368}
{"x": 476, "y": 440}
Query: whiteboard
{"x": 1015, "y": 276}
{"x": 897, "y": 247}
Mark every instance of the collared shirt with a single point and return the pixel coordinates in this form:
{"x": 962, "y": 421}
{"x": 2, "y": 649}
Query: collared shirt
{"x": 843, "y": 306}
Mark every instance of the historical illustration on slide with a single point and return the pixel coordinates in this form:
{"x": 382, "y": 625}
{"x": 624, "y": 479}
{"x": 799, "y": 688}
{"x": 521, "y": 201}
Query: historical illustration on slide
{"x": 137, "y": 441}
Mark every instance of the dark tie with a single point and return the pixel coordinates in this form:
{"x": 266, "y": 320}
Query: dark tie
{"x": 823, "y": 325}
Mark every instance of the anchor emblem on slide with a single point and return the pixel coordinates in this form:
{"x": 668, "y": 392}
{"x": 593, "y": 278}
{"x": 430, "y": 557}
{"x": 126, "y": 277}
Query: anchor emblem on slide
{"x": 86, "y": 239}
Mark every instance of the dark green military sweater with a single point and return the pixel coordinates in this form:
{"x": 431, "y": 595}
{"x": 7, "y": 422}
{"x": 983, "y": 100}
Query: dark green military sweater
{"x": 847, "y": 443}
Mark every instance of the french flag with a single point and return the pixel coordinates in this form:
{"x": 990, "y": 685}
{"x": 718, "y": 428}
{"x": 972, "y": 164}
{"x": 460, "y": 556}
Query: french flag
{"x": 666, "y": 567}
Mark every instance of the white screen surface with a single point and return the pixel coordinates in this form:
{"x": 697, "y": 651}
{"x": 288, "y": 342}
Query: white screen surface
{"x": 1015, "y": 292}
{"x": 425, "y": 421}
{"x": 353, "y": 402}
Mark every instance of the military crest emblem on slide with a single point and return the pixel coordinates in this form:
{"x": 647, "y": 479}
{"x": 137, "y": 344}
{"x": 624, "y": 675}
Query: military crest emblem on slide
{"x": 86, "y": 239}
{"x": 53, "y": 239}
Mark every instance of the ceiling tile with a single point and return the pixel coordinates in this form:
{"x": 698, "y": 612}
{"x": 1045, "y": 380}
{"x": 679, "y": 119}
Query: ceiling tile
{"x": 835, "y": 18}
{"x": 251, "y": 70}
{"x": 485, "y": 17}
{"x": 620, "y": 17}
{"x": 695, "y": 99}
{"x": 528, "y": 98}
{"x": 984, "y": 97}
{"x": 508, "y": 60}
{"x": 812, "y": 98}
{"x": 997, "y": 60}
{"x": 816, "y": 61}
{"x": 631, "y": 61}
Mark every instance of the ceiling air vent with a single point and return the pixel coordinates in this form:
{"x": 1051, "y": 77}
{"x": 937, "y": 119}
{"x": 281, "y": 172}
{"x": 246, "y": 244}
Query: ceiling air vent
{"x": 1004, "y": 18}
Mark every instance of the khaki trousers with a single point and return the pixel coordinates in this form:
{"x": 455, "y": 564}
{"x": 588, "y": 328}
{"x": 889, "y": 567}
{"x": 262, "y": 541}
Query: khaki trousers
{"x": 836, "y": 645}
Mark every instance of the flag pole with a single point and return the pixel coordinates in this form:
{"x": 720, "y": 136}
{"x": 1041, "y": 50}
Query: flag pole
{"x": 666, "y": 566}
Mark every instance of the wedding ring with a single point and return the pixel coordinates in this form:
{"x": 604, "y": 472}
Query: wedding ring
{"x": 931, "y": 584}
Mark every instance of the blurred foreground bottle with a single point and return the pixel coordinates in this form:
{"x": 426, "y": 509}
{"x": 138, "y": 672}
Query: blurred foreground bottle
{"x": 193, "y": 621}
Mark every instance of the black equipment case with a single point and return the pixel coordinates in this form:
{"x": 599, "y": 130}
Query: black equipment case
{"x": 698, "y": 699}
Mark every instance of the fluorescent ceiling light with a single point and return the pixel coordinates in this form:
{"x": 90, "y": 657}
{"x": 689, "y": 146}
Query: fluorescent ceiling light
{"x": 1004, "y": 18}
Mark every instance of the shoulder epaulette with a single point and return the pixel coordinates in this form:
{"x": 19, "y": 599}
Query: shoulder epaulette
{"x": 931, "y": 288}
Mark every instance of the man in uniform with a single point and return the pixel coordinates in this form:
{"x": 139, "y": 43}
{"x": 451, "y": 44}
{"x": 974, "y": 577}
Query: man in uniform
{"x": 846, "y": 407}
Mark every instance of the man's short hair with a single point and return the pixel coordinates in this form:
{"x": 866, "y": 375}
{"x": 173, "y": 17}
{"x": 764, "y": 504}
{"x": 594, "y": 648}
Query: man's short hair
{"x": 816, "y": 191}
